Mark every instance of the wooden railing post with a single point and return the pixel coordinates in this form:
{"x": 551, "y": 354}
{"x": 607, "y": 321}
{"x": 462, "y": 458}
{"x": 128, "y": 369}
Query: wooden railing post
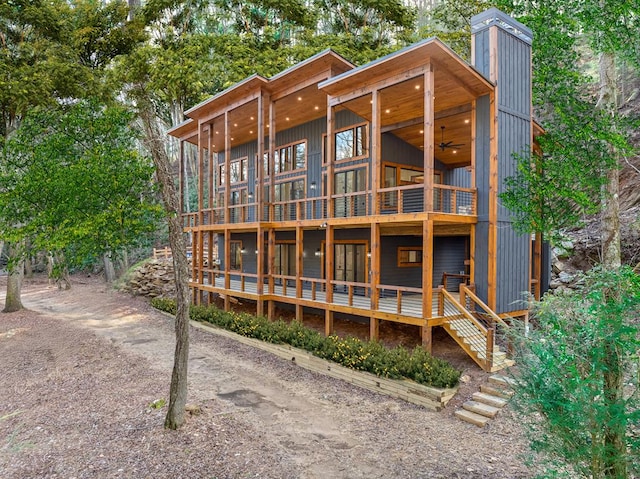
{"x": 440, "y": 301}
{"x": 490, "y": 344}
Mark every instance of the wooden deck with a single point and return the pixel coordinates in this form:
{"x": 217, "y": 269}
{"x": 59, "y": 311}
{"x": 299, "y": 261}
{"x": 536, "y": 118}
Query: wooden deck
{"x": 393, "y": 308}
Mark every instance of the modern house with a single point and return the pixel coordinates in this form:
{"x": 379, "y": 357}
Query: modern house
{"x": 371, "y": 191}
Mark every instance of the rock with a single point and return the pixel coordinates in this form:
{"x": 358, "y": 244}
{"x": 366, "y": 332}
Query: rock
{"x": 565, "y": 277}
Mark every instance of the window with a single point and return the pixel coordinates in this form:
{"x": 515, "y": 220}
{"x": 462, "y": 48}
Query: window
{"x": 285, "y": 259}
{"x": 291, "y": 190}
{"x": 238, "y": 170}
{"x": 409, "y": 256}
{"x": 291, "y": 157}
{"x": 350, "y": 181}
{"x": 235, "y": 255}
{"x": 221, "y": 170}
{"x": 350, "y": 143}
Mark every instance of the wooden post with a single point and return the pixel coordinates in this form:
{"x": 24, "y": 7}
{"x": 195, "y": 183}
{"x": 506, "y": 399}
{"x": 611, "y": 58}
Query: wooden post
{"x": 271, "y": 245}
{"x": 227, "y": 262}
{"x": 272, "y": 155}
{"x": 427, "y": 281}
{"x": 227, "y": 169}
{"x": 260, "y": 270}
{"x": 330, "y": 154}
{"x": 376, "y": 151}
{"x": 492, "y": 247}
{"x": 299, "y": 270}
{"x": 328, "y": 271}
{"x": 259, "y": 193}
{"x": 429, "y": 167}
{"x": 490, "y": 340}
{"x": 374, "y": 279}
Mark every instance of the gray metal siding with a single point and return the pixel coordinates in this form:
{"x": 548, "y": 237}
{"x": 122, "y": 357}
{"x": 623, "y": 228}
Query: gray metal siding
{"x": 396, "y": 150}
{"x": 448, "y": 257}
{"x": 513, "y": 269}
{"x": 481, "y": 259}
{"x": 482, "y": 156}
{"x": 390, "y": 273}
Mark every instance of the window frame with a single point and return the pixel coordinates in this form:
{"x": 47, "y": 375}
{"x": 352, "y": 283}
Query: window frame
{"x": 407, "y": 263}
{"x": 232, "y": 261}
{"x": 292, "y": 155}
{"x": 365, "y": 143}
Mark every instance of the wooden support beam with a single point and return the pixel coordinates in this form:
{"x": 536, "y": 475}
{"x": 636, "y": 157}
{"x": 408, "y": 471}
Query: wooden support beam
{"x": 492, "y": 243}
{"x": 299, "y": 270}
{"x": 227, "y": 262}
{"x": 227, "y": 168}
{"x": 330, "y": 156}
{"x": 271, "y": 310}
{"x": 427, "y": 281}
{"x": 260, "y": 262}
{"x": 272, "y": 154}
{"x": 328, "y": 322}
{"x": 271, "y": 246}
{"x": 259, "y": 167}
{"x": 375, "y": 265}
{"x": 428, "y": 151}
{"x": 376, "y": 151}
{"x": 374, "y": 328}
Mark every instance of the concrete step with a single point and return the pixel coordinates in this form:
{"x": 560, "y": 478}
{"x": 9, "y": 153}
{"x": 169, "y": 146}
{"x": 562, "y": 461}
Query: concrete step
{"x": 489, "y": 399}
{"x": 481, "y": 408}
{"x": 496, "y": 391}
{"x": 472, "y": 417}
{"x": 502, "y": 381}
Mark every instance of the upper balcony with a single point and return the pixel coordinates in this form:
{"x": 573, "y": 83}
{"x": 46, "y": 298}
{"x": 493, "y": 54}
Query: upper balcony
{"x": 405, "y": 199}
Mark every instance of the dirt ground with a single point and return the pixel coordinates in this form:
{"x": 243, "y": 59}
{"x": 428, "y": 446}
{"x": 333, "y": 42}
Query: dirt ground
{"x": 81, "y": 368}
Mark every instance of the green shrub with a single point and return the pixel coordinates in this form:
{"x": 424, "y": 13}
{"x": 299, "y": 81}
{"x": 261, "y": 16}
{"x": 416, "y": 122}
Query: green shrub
{"x": 370, "y": 356}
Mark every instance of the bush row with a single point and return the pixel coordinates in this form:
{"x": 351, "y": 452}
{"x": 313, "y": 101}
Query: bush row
{"x": 371, "y": 356}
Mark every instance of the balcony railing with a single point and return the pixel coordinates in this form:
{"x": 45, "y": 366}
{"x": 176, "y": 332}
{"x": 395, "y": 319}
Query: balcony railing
{"x": 396, "y": 200}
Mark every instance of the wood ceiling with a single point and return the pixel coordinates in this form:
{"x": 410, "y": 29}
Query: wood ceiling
{"x": 456, "y": 85}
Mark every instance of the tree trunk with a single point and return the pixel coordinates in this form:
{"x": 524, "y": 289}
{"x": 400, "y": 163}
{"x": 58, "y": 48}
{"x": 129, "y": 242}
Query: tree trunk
{"x": 13, "y": 299}
{"x": 109, "y": 270}
{"x": 154, "y": 141}
{"x": 615, "y": 461}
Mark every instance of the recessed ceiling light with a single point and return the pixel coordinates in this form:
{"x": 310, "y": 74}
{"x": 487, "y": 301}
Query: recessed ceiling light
{"x": 287, "y": 118}
{"x": 421, "y": 131}
{"x": 217, "y": 133}
{"x": 454, "y": 151}
{"x": 232, "y": 139}
{"x": 316, "y": 107}
{"x": 466, "y": 121}
{"x": 252, "y": 118}
{"x": 235, "y": 124}
{"x": 387, "y": 110}
{"x": 251, "y": 131}
{"x": 267, "y": 126}
{"x": 299, "y": 98}
{"x": 417, "y": 87}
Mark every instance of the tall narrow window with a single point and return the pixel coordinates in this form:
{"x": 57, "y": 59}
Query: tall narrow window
{"x": 350, "y": 181}
{"x": 235, "y": 255}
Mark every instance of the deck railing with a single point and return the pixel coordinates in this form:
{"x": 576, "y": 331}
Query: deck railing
{"x": 396, "y": 200}
{"x": 389, "y": 291}
{"x": 410, "y": 199}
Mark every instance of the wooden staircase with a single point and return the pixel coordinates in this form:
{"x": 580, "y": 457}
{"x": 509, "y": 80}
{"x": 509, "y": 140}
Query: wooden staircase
{"x": 487, "y": 403}
{"x": 473, "y": 326}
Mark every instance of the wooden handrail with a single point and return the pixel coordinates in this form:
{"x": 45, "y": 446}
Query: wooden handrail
{"x": 486, "y": 308}
{"x": 462, "y": 310}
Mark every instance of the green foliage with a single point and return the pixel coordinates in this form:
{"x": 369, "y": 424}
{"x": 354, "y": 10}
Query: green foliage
{"x": 74, "y": 183}
{"x": 370, "y": 356}
{"x": 565, "y": 365}
{"x": 584, "y": 139}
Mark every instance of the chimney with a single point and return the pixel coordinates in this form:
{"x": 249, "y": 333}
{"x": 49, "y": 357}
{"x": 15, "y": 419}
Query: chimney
{"x": 501, "y": 51}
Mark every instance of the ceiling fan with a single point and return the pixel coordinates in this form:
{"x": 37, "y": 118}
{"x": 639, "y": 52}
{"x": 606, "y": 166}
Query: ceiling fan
{"x": 449, "y": 144}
